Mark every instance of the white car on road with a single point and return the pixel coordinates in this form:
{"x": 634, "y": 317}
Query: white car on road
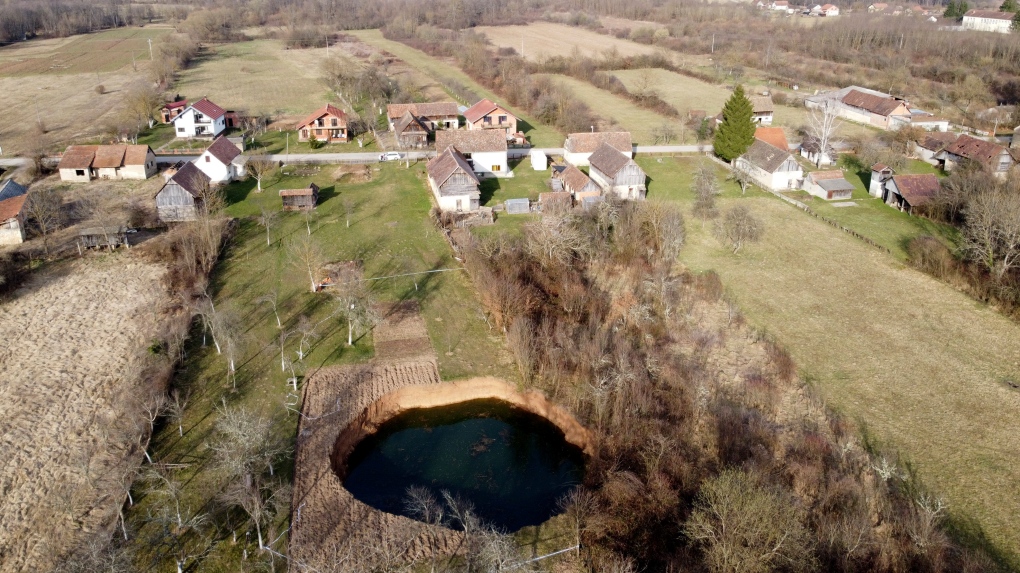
{"x": 391, "y": 156}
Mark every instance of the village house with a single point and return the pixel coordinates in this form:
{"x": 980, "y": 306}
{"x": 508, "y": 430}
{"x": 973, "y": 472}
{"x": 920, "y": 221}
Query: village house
{"x": 200, "y": 119}
{"x": 488, "y": 115}
{"x": 829, "y": 10}
{"x": 410, "y": 131}
{"x": 772, "y": 135}
{"x": 439, "y": 115}
{"x": 300, "y": 199}
{"x": 763, "y": 109}
{"x": 931, "y": 144}
{"x": 578, "y": 184}
{"x": 910, "y": 192}
{"x": 12, "y": 212}
{"x": 771, "y": 167}
{"x": 221, "y": 162}
{"x": 328, "y": 124}
{"x": 172, "y": 109}
{"x": 878, "y": 7}
{"x": 180, "y": 198}
{"x": 83, "y": 163}
{"x": 828, "y": 185}
{"x": 453, "y": 182}
{"x": 811, "y": 149}
{"x": 579, "y": 146}
{"x": 862, "y": 105}
{"x": 783, "y": 5}
{"x": 880, "y": 173}
{"x": 920, "y": 120}
{"x": 988, "y": 21}
{"x": 485, "y": 150}
{"x": 992, "y": 156}
{"x": 616, "y": 173}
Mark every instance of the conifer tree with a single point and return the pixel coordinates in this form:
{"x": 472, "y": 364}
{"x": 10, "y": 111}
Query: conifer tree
{"x": 951, "y": 10}
{"x": 1014, "y": 26}
{"x": 736, "y": 132}
{"x": 1009, "y": 6}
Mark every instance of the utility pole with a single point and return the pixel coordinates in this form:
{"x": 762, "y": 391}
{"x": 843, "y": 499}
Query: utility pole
{"x": 150, "y": 49}
{"x": 713, "y": 43}
{"x": 288, "y": 146}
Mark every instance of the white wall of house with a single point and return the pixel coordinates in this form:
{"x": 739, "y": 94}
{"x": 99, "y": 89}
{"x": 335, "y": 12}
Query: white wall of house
{"x": 491, "y": 164}
{"x": 986, "y": 24}
{"x": 787, "y": 177}
{"x": 455, "y": 203}
{"x": 813, "y": 157}
{"x": 12, "y": 232}
{"x": 217, "y": 171}
{"x": 926, "y": 155}
{"x": 76, "y": 175}
{"x": 188, "y": 125}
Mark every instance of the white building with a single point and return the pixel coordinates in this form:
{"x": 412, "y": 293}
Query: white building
{"x": 201, "y": 119}
{"x": 772, "y": 168}
{"x": 83, "y": 163}
{"x": 453, "y": 182}
{"x": 484, "y": 149}
{"x": 579, "y": 146}
{"x": 221, "y": 162}
{"x": 12, "y": 213}
{"x": 988, "y": 21}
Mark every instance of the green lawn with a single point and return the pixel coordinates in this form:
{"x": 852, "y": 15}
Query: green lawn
{"x": 526, "y": 182}
{"x": 159, "y": 135}
{"x": 278, "y": 142}
{"x": 391, "y": 234}
{"x": 539, "y": 135}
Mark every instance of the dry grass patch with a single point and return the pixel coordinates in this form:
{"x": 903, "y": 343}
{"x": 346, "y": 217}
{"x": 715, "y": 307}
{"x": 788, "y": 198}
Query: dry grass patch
{"x": 920, "y": 365}
{"x": 545, "y": 39}
{"x": 617, "y": 111}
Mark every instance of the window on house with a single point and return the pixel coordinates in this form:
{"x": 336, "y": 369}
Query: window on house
{"x": 318, "y": 122}
{"x": 207, "y": 159}
{"x": 459, "y": 207}
{"x": 497, "y": 167}
{"x": 180, "y": 130}
{"x": 487, "y": 119}
{"x": 502, "y": 119}
{"x": 79, "y": 172}
{"x": 334, "y": 122}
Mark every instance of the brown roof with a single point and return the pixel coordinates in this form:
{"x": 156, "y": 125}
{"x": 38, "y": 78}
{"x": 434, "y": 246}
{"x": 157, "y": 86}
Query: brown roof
{"x": 328, "y": 109}
{"x": 875, "y": 104}
{"x": 78, "y": 157}
{"x": 936, "y": 140}
{"x": 175, "y": 104}
{"x": 773, "y": 136}
{"x": 975, "y": 149}
{"x": 879, "y": 167}
{"x": 480, "y": 110}
{"x": 444, "y": 165}
{"x": 917, "y": 189}
{"x": 209, "y": 108}
{"x": 554, "y": 197}
{"x": 471, "y": 141}
{"x": 136, "y": 154}
{"x": 109, "y": 156}
{"x": 588, "y": 142}
{"x": 608, "y": 160}
{"x": 191, "y": 179}
{"x": 437, "y": 109}
{"x": 820, "y": 175}
{"x": 310, "y": 190}
{"x": 762, "y": 104}
{"x": 408, "y": 120}
{"x": 994, "y": 14}
{"x": 574, "y": 179}
{"x": 9, "y": 208}
{"x": 223, "y": 150}
{"x": 766, "y": 156}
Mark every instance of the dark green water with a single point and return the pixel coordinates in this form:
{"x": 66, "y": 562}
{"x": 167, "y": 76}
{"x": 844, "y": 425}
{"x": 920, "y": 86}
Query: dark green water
{"x": 512, "y": 465}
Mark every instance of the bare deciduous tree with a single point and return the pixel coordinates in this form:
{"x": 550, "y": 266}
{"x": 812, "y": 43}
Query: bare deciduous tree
{"x": 739, "y": 227}
{"x": 272, "y": 298}
{"x": 705, "y": 189}
{"x": 353, "y": 302}
{"x": 175, "y": 409}
{"x": 44, "y": 209}
{"x": 823, "y": 124}
{"x": 349, "y": 206}
{"x": 267, "y": 218}
{"x": 306, "y": 256}
{"x": 992, "y": 231}
{"x": 260, "y": 167}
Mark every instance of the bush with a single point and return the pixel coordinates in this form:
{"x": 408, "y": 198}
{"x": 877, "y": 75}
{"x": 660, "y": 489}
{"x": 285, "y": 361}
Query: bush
{"x": 930, "y": 255}
{"x": 13, "y": 272}
{"x": 100, "y": 89}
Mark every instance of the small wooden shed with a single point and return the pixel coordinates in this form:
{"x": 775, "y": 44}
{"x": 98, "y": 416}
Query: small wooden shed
{"x": 300, "y": 199}
{"x": 111, "y": 236}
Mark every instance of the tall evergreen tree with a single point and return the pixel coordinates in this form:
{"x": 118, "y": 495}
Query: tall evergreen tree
{"x": 951, "y": 10}
{"x": 1009, "y": 6}
{"x": 736, "y": 132}
{"x": 1015, "y": 26}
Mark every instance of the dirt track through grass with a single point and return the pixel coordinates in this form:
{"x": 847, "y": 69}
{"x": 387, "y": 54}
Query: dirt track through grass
{"x": 922, "y": 366}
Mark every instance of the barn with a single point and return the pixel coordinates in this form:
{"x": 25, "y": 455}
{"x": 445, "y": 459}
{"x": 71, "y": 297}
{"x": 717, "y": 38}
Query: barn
{"x": 180, "y": 199}
{"x": 616, "y": 173}
{"x": 300, "y": 199}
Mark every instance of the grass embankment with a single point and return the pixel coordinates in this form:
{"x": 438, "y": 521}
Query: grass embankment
{"x": 920, "y": 366}
{"x": 390, "y": 233}
{"x": 539, "y": 135}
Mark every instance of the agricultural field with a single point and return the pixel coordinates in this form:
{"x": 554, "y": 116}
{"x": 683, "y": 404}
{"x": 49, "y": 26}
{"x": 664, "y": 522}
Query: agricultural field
{"x": 923, "y": 368}
{"x": 68, "y": 365}
{"x": 544, "y": 39}
{"x": 539, "y": 135}
{"x": 55, "y": 81}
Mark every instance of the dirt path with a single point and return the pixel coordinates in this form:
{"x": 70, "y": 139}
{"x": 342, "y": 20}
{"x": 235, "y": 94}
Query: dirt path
{"x": 64, "y": 367}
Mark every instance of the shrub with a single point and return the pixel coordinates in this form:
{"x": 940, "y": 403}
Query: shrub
{"x": 100, "y": 89}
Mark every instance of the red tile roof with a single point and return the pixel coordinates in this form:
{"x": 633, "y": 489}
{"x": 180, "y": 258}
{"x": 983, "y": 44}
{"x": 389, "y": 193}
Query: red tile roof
{"x": 480, "y": 110}
{"x": 917, "y": 189}
{"x": 223, "y": 150}
{"x": 10, "y": 208}
{"x": 109, "y": 156}
{"x": 176, "y": 104}
{"x": 328, "y": 109}
{"x": 427, "y": 110}
{"x": 473, "y": 141}
{"x": 875, "y": 104}
{"x": 588, "y": 142}
{"x": 993, "y": 14}
{"x": 78, "y": 157}
{"x": 209, "y": 108}
{"x": 984, "y": 152}
{"x": 774, "y": 136}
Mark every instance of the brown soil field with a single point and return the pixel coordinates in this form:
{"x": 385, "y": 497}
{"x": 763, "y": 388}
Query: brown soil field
{"x": 544, "y": 39}
{"x": 68, "y": 360}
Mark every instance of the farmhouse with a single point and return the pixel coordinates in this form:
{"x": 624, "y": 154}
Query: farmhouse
{"x": 829, "y": 10}
{"x": 180, "y": 199}
{"x": 772, "y": 135}
{"x": 172, "y": 109}
{"x": 988, "y": 21}
{"x": 992, "y": 156}
{"x": 200, "y": 119}
{"x": 880, "y": 173}
{"x": 454, "y": 184}
{"x": 763, "y": 109}
{"x": 579, "y": 146}
{"x": 300, "y": 199}
{"x": 83, "y": 163}
{"x": 878, "y": 7}
{"x": 828, "y": 185}
{"x": 616, "y": 173}
{"x": 578, "y": 184}
{"x": 862, "y": 105}
{"x": 780, "y": 5}
{"x": 908, "y": 192}
{"x": 12, "y": 212}
{"x": 487, "y": 115}
{"x": 327, "y": 123}
{"x": 410, "y": 131}
{"x": 440, "y": 115}
{"x": 811, "y": 149}
{"x": 221, "y": 161}
{"x": 485, "y": 150}
{"x": 931, "y": 144}
{"x": 771, "y": 167}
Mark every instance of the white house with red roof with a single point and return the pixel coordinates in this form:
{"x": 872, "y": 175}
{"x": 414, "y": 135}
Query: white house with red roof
{"x": 221, "y": 162}
{"x": 201, "y": 119}
{"x": 488, "y": 115}
{"x": 830, "y": 10}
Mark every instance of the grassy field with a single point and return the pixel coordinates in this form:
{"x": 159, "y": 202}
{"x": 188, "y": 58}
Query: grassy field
{"x": 101, "y": 52}
{"x": 539, "y": 135}
{"x": 544, "y": 39}
{"x": 391, "y": 234}
{"x": 921, "y": 366}
{"x": 526, "y": 182}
